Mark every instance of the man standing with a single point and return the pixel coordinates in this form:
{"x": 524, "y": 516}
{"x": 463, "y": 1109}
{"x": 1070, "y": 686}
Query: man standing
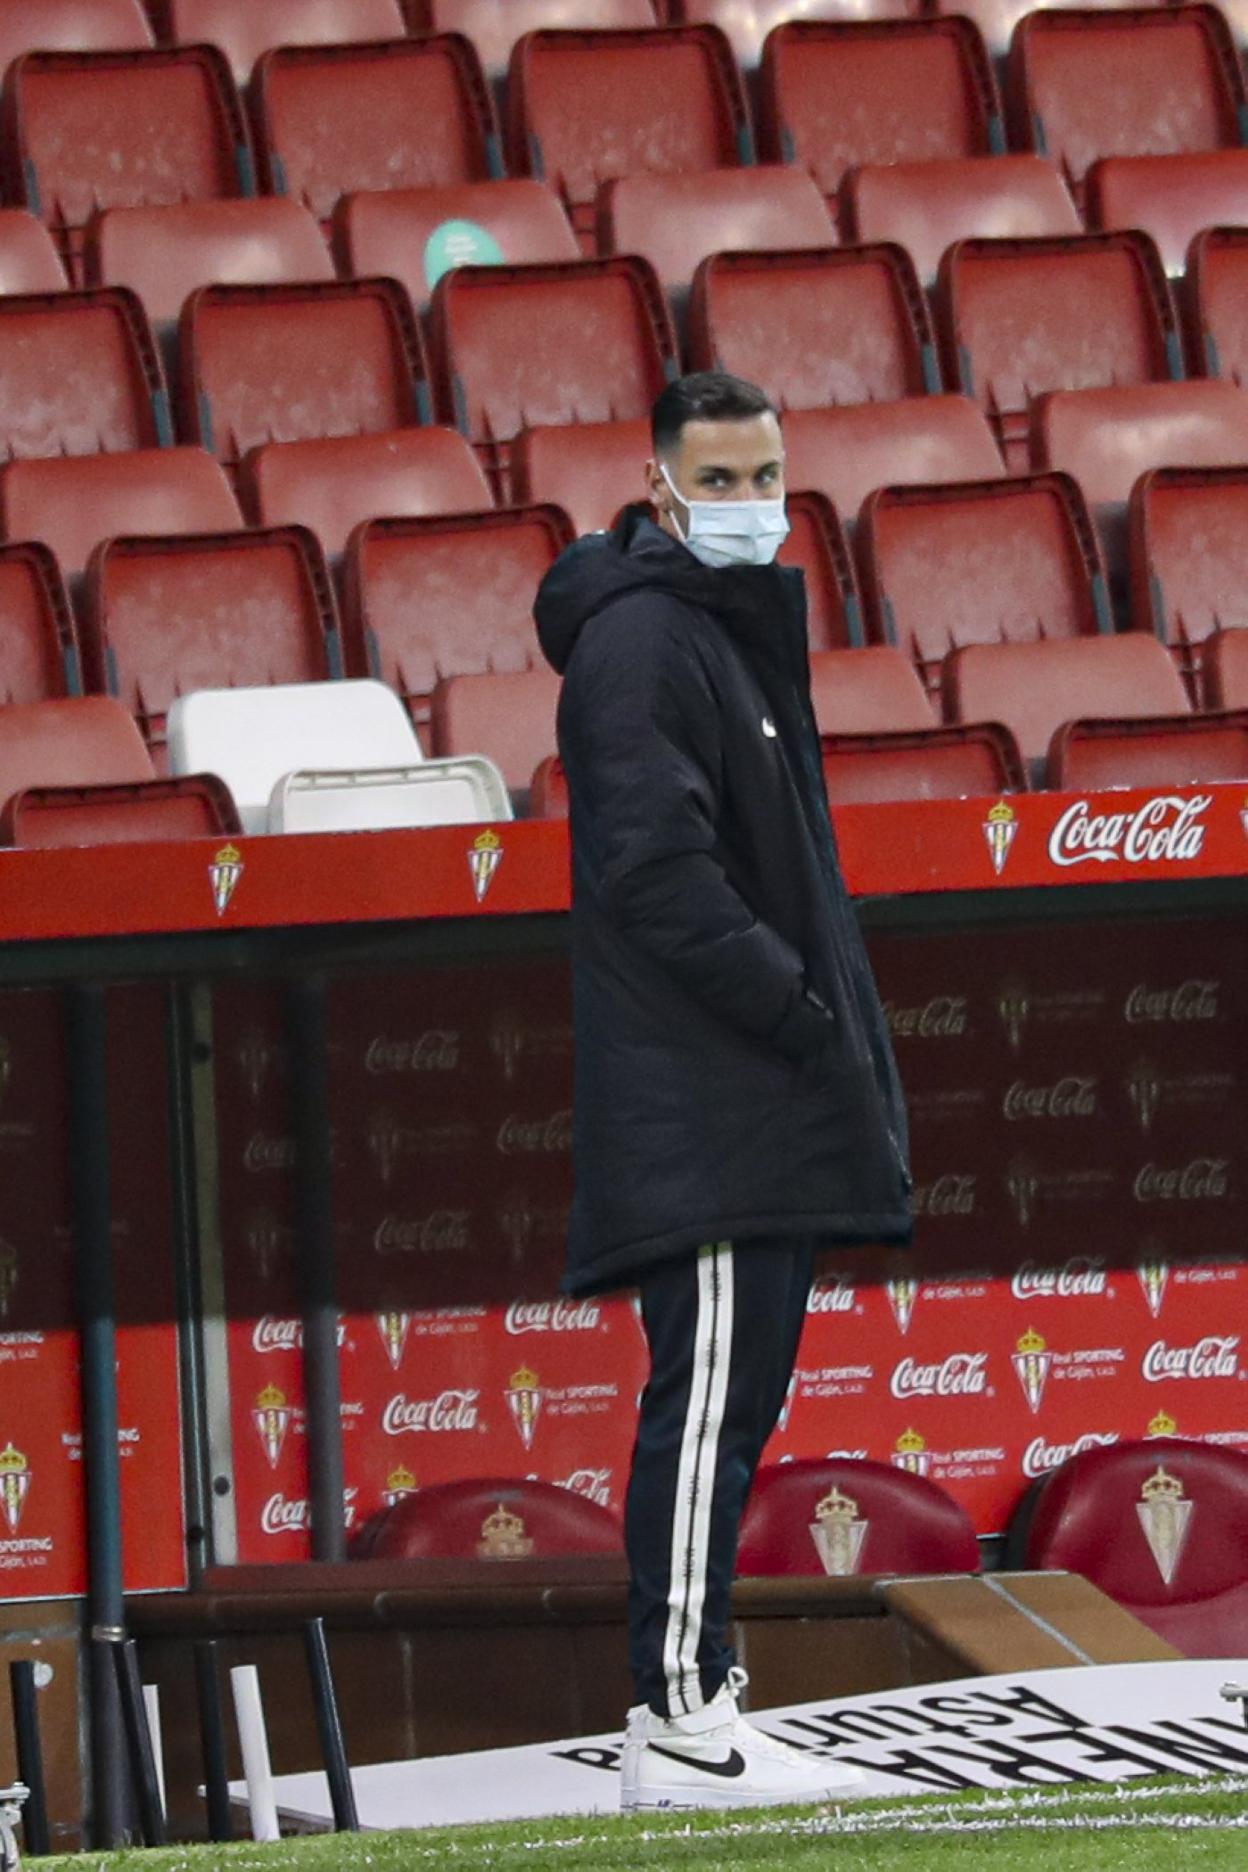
{"x": 736, "y": 1103}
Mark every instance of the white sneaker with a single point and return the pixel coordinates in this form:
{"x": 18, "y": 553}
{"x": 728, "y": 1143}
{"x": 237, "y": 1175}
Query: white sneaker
{"x": 717, "y": 1759}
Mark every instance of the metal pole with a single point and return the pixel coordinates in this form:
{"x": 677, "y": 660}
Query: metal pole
{"x": 35, "y": 1831}
{"x": 315, "y": 1238}
{"x": 139, "y": 1737}
{"x": 212, "y": 1741}
{"x": 87, "y": 1056}
{"x": 329, "y": 1727}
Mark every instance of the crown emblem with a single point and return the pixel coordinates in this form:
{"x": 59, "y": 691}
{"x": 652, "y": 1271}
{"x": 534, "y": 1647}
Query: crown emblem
{"x": 1163, "y": 1424}
{"x": 270, "y": 1398}
{"x": 224, "y": 872}
{"x": 910, "y": 1443}
{"x": 1030, "y": 1341}
{"x": 837, "y": 1532}
{"x": 14, "y": 1485}
{"x": 399, "y": 1483}
{"x": 836, "y": 1507}
{"x": 12, "y": 1462}
{"x": 1165, "y": 1517}
{"x": 1163, "y": 1487}
{"x": 1000, "y": 830}
{"x": 910, "y": 1452}
{"x": 271, "y": 1417}
{"x": 1032, "y": 1361}
{"x": 524, "y": 1401}
{"x": 503, "y": 1537}
{"x": 484, "y": 857}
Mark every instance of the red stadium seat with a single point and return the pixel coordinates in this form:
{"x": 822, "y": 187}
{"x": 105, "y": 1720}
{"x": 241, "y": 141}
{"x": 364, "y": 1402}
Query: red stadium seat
{"x": 846, "y": 1516}
{"x": 71, "y": 26}
{"x": 79, "y": 375}
{"x": 81, "y": 741}
{"x": 867, "y": 691}
{"x": 38, "y": 644}
{"x": 1171, "y": 197}
{"x": 836, "y": 95}
{"x": 676, "y": 221}
{"x": 584, "y": 108}
{"x": 494, "y": 26}
{"x": 88, "y": 131}
{"x": 965, "y": 762}
{"x": 1171, "y": 73}
{"x": 515, "y": 347}
{"x": 1170, "y": 751}
{"x": 417, "y": 235}
{"x": 1189, "y": 556}
{"x": 509, "y": 717}
{"x": 1007, "y": 334}
{"x": 492, "y": 1520}
{"x": 73, "y": 504}
{"x": 332, "y": 486}
{"x": 431, "y": 598}
{"x": 1033, "y": 688}
{"x": 817, "y": 544}
{"x": 1162, "y": 1527}
{"x": 287, "y": 363}
{"x": 845, "y": 325}
{"x": 29, "y": 262}
{"x": 166, "y": 616}
{"x": 245, "y": 29}
{"x": 412, "y": 113}
{"x": 1224, "y": 670}
{"x": 145, "y": 810}
{"x": 548, "y": 792}
{"x": 590, "y": 469}
{"x": 980, "y": 562}
{"x": 748, "y": 22}
{"x": 166, "y": 254}
{"x": 1106, "y": 438}
{"x": 926, "y": 206}
{"x": 1217, "y": 277}
{"x": 848, "y": 453}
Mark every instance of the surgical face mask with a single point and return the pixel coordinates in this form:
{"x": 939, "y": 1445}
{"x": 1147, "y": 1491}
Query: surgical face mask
{"x": 731, "y": 533}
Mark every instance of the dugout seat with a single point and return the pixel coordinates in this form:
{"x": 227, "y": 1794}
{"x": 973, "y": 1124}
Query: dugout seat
{"x": 1224, "y": 670}
{"x": 951, "y": 762}
{"x": 994, "y": 19}
{"x": 331, "y": 486}
{"x": 288, "y": 363}
{"x": 85, "y": 131}
{"x": 1159, "y": 1525}
{"x": 79, "y": 375}
{"x": 514, "y": 347}
{"x": 494, "y": 26}
{"x": 980, "y": 562}
{"x": 257, "y": 737}
{"x": 491, "y": 1519}
{"x": 1033, "y": 688}
{"x": 74, "y": 503}
{"x": 1004, "y": 317}
{"x": 166, "y": 254}
{"x": 245, "y": 29}
{"x": 198, "y": 806}
{"x": 468, "y": 790}
{"x": 39, "y": 659}
{"x": 1188, "y": 531}
{"x": 676, "y": 221}
{"x": 584, "y": 108}
{"x": 592, "y": 470}
{"x": 871, "y": 690}
{"x": 417, "y": 235}
{"x": 78, "y": 741}
{"x": 848, "y": 453}
{"x": 165, "y": 616}
{"x": 837, "y": 94}
{"x": 406, "y": 113}
{"x": 848, "y": 1516}
{"x": 1169, "y": 751}
{"x": 1106, "y": 438}
{"x": 29, "y": 262}
{"x": 71, "y": 26}
{"x": 926, "y": 206}
{"x": 429, "y": 598}
{"x": 1217, "y": 281}
{"x": 1171, "y": 73}
{"x": 1171, "y": 197}
{"x": 748, "y": 22}
{"x": 510, "y": 717}
{"x": 836, "y": 325}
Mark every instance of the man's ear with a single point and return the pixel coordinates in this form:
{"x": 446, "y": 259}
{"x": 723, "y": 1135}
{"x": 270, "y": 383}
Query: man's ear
{"x": 657, "y": 492}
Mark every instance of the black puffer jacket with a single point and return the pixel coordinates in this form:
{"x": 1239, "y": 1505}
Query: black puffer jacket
{"x": 734, "y": 1076}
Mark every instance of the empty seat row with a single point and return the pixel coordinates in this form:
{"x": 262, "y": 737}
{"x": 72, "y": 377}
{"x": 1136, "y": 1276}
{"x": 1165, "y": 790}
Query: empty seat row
{"x": 95, "y": 130}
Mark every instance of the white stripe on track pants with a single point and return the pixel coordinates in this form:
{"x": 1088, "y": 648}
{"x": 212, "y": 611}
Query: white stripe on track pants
{"x": 723, "y": 1325}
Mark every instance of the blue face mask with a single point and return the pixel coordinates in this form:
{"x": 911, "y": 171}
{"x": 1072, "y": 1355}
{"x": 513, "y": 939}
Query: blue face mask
{"x": 731, "y": 533}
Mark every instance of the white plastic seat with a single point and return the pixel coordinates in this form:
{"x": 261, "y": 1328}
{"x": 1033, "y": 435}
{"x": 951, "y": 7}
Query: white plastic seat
{"x": 463, "y": 791}
{"x": 254, "y": 738}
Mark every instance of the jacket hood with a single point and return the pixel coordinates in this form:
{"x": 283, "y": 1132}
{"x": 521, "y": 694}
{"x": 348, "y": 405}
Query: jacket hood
{"x": 637, "y": 555}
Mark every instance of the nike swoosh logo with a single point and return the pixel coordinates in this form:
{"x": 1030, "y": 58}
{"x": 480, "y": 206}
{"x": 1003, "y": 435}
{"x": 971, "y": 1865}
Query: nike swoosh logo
{"x": 729, "y": 1769}
{"x": 769, "y": 728}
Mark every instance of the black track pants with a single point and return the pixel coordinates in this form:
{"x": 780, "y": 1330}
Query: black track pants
{"x": 723, "y": 1326}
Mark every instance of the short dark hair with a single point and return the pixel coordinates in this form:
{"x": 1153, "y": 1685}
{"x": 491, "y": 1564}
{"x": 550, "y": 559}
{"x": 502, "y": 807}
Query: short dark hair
{"x": 704, "y": 396}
